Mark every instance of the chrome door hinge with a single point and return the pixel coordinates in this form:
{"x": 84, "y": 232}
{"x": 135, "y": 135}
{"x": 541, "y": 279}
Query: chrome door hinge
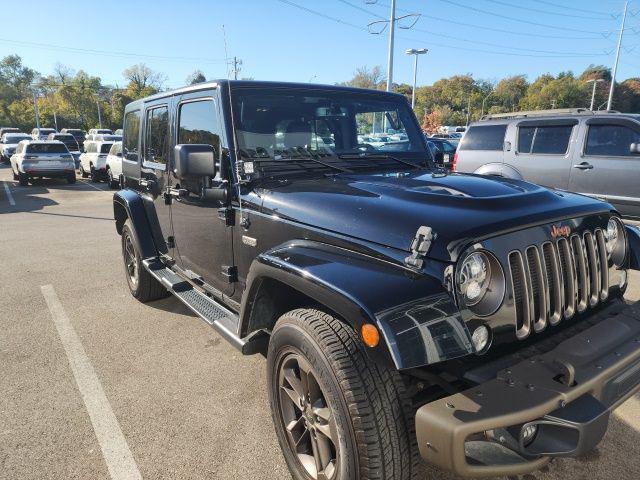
{"x": 420, "y": 247}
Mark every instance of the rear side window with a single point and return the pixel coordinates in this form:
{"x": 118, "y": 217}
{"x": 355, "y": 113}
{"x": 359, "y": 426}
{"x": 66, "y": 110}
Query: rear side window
{"x": 199, "y": 123}
{"x": 157, "y": 135}
{"x": 488, "y": 137}
{"x": 546, "y": 140}
{"x": 131, "y": 133}
{"x": 105, "y": 147}
{"x": 611, "y": 140}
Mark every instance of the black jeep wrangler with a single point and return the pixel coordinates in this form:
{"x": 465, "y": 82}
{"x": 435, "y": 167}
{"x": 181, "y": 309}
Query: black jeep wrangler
{"x": 405, "y": 311}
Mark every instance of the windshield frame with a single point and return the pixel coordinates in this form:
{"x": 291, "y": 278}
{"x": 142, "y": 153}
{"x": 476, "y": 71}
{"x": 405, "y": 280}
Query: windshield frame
{"x": 419, "y": 154}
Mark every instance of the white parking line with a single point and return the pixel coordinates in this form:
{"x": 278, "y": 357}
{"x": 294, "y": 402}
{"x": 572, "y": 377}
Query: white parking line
{"x": 7, "y": 190}
{"x": 115, "y": 449}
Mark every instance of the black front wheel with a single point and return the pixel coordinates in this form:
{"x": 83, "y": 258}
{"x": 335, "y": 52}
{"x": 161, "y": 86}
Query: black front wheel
{"x": 337, "y": 415}
{"x": 23, "y": 179}
{"x": 142, "y": 285}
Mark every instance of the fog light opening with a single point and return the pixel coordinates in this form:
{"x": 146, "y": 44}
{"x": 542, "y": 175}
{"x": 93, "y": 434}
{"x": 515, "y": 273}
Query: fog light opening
{"x": 481, "y": 338}
{"x": 528, "y": 434}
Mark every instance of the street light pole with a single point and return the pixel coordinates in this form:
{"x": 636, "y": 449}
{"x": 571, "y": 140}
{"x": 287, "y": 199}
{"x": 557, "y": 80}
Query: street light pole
{"x": 615, "y": 65}
{"x": 392, "y": 31}
{"x": 593, "y": 92}
{"x": 415, "y": 52}
{"x": 35, "y": 109}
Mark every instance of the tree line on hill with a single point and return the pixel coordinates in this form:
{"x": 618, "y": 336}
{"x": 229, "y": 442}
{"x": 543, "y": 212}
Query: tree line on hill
{"x": 74, "y": 98}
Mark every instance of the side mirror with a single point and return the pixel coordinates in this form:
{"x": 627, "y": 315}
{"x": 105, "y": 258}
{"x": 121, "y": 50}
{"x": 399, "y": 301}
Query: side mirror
{"x": 119, "y": 154}
{"x": 507, "y": 146}
{"x": 195, "y": 160}
{"x": 634, "y": 149}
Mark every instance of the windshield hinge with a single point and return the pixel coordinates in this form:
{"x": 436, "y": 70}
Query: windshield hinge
{"x": 420, "y": 247}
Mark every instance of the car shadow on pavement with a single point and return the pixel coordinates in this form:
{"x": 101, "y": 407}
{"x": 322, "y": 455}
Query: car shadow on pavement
{"x": 27, "y": 201}
{"x": 172, "y": 305}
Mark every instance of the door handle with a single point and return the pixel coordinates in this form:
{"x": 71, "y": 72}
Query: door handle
{"x": 148, "y": 184}
{"x": 583, "y": 166}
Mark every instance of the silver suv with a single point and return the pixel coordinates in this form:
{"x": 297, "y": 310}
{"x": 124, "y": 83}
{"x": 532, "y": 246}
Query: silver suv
{"x": 594, "y": 153}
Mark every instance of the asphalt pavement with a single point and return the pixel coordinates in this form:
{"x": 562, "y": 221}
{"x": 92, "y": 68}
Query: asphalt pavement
{"x": 96, "y": 385}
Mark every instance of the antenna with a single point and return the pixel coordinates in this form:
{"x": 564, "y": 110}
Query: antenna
{"x": 239, "y": 167}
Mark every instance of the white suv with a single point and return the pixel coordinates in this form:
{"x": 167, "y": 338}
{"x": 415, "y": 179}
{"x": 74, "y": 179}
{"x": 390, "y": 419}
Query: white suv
{"x": 8, "y": 144}
{"x": 39, "y": 159}
{"x": 93, "y": 162}
{"x": 42, "y": 133}
{"x": 114, "y": 165}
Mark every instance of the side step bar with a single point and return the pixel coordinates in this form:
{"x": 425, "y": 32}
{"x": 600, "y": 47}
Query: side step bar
{"x": 223, "y": 320}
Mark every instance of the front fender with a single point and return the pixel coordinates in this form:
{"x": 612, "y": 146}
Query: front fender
{"x": 419, "y": 321}
{"x": 633, "y": 235}
{"x": 130, "y": 204}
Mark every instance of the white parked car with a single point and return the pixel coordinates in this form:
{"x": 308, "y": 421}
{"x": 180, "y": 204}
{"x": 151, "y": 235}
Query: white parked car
{"x": 8, "y": 144}
{"x": 93, "y": 162}
{"x": 114, "y": 165}
{"x": 42, "y": 133}
{"x": 40, "y": 159}
{"x": 100, "y": 131}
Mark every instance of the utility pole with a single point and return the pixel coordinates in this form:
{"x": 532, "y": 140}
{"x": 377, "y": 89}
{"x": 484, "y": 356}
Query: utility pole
{"x": 35, "y": 109}
{"x": 469, "y": 110}
{"x": 392, "y": 32}
{"x": 483, "y": 102}
{"x": 593, "y": 92}
{"x": 99, "y": 113}
{"x": 236, "y": 67}
{"x": 615, "y": 65}
{"x": 55, "y": 120}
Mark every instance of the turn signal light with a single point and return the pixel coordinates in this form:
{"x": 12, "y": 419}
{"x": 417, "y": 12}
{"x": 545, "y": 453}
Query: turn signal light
{"x": 370, "y": 335}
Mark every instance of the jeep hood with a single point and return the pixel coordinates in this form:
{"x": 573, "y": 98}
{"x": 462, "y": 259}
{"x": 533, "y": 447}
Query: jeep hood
{"x": 389, "y": 208}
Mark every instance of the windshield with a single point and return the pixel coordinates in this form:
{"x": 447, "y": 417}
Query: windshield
{"x": 281, "y": 124}
{"x": 11, "y": 138}
{"x": 47, "y": 148}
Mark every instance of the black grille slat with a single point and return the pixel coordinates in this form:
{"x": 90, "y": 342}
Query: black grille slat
{"x": 520, "y": 295}
{"x": 553, "y": 281}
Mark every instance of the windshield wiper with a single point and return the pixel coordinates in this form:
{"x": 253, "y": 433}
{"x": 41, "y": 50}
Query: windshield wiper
{"x": 305, "y": 155}
{"x": 385, "y": 156}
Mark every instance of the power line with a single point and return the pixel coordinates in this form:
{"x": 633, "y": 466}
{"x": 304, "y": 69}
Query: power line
{"x": 500, "y": 30}
{"x": 573, "y": 9}
{"x": 430, "y": 43}
{"x": 546, "y": 12}
{"x": 479, "y": 42}
{"x": 528, "y": 22}
{"x": 47, "y": 46}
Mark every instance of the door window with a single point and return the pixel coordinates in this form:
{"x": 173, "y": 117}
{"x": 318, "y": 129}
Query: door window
{"x": 199, "y": 124}
{"x": 546, "y": 140}
{"x": 157, "y": 136}
{"x": 610, "y": 140}
{"x": 131, "y": 133}
{"x": 487, "y": 137}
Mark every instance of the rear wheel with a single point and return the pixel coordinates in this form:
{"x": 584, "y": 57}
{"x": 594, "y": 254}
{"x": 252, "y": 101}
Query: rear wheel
{"x": 23, "y": 179}
{"x": 141, "y": 284}
{"x": 113, "y": 183}
{"x": 83, "y": 174}
{"x": 15, "y": 175}
{"x": 337, "y": 415}
{"x": 95, "y": 178}
{"x": 71, "y": 178}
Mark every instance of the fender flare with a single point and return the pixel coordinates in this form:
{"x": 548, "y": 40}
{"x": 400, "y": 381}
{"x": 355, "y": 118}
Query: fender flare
{"x": 413, "y": 311}
{"x": 633, "y": 236}
{"x": 500, "y": 170}
{"x": 128, "y": 204}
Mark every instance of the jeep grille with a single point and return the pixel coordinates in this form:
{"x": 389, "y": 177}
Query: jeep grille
{"x": 553, "y": 281}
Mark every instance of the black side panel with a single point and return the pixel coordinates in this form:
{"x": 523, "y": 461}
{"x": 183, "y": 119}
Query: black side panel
{"x": 133, "y": 203}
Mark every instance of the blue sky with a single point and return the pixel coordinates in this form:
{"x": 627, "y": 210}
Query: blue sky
{"x": 278, "y": 41}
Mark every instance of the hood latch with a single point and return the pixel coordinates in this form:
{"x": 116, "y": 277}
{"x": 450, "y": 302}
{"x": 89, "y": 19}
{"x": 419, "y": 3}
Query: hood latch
{"x": 420, "y": 247}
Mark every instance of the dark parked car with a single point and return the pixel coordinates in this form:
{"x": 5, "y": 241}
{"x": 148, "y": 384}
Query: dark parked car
{"x": 77, "y": 133}
{"x": 70, "y": 141}
{"x": 404, "y": 311}
{"x": 594, "y": 153}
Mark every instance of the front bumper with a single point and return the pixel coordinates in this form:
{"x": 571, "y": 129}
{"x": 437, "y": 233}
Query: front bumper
{"x": 567, "y": 392}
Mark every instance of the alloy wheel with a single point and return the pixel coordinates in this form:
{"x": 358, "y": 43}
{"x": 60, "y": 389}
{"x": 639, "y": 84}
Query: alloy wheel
{"x": 308, "y": 418}
{"x": 130, "y": 262}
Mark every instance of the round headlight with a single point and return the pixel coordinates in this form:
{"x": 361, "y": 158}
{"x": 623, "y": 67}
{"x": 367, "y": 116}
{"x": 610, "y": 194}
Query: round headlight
{"x": 475, "y": 275}
{"x": 615, "y": 241}
{"x": 480, "y": 338}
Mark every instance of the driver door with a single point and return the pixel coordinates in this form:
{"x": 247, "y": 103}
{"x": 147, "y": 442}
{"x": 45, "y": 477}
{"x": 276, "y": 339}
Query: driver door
{"x": 203, "y": 241}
